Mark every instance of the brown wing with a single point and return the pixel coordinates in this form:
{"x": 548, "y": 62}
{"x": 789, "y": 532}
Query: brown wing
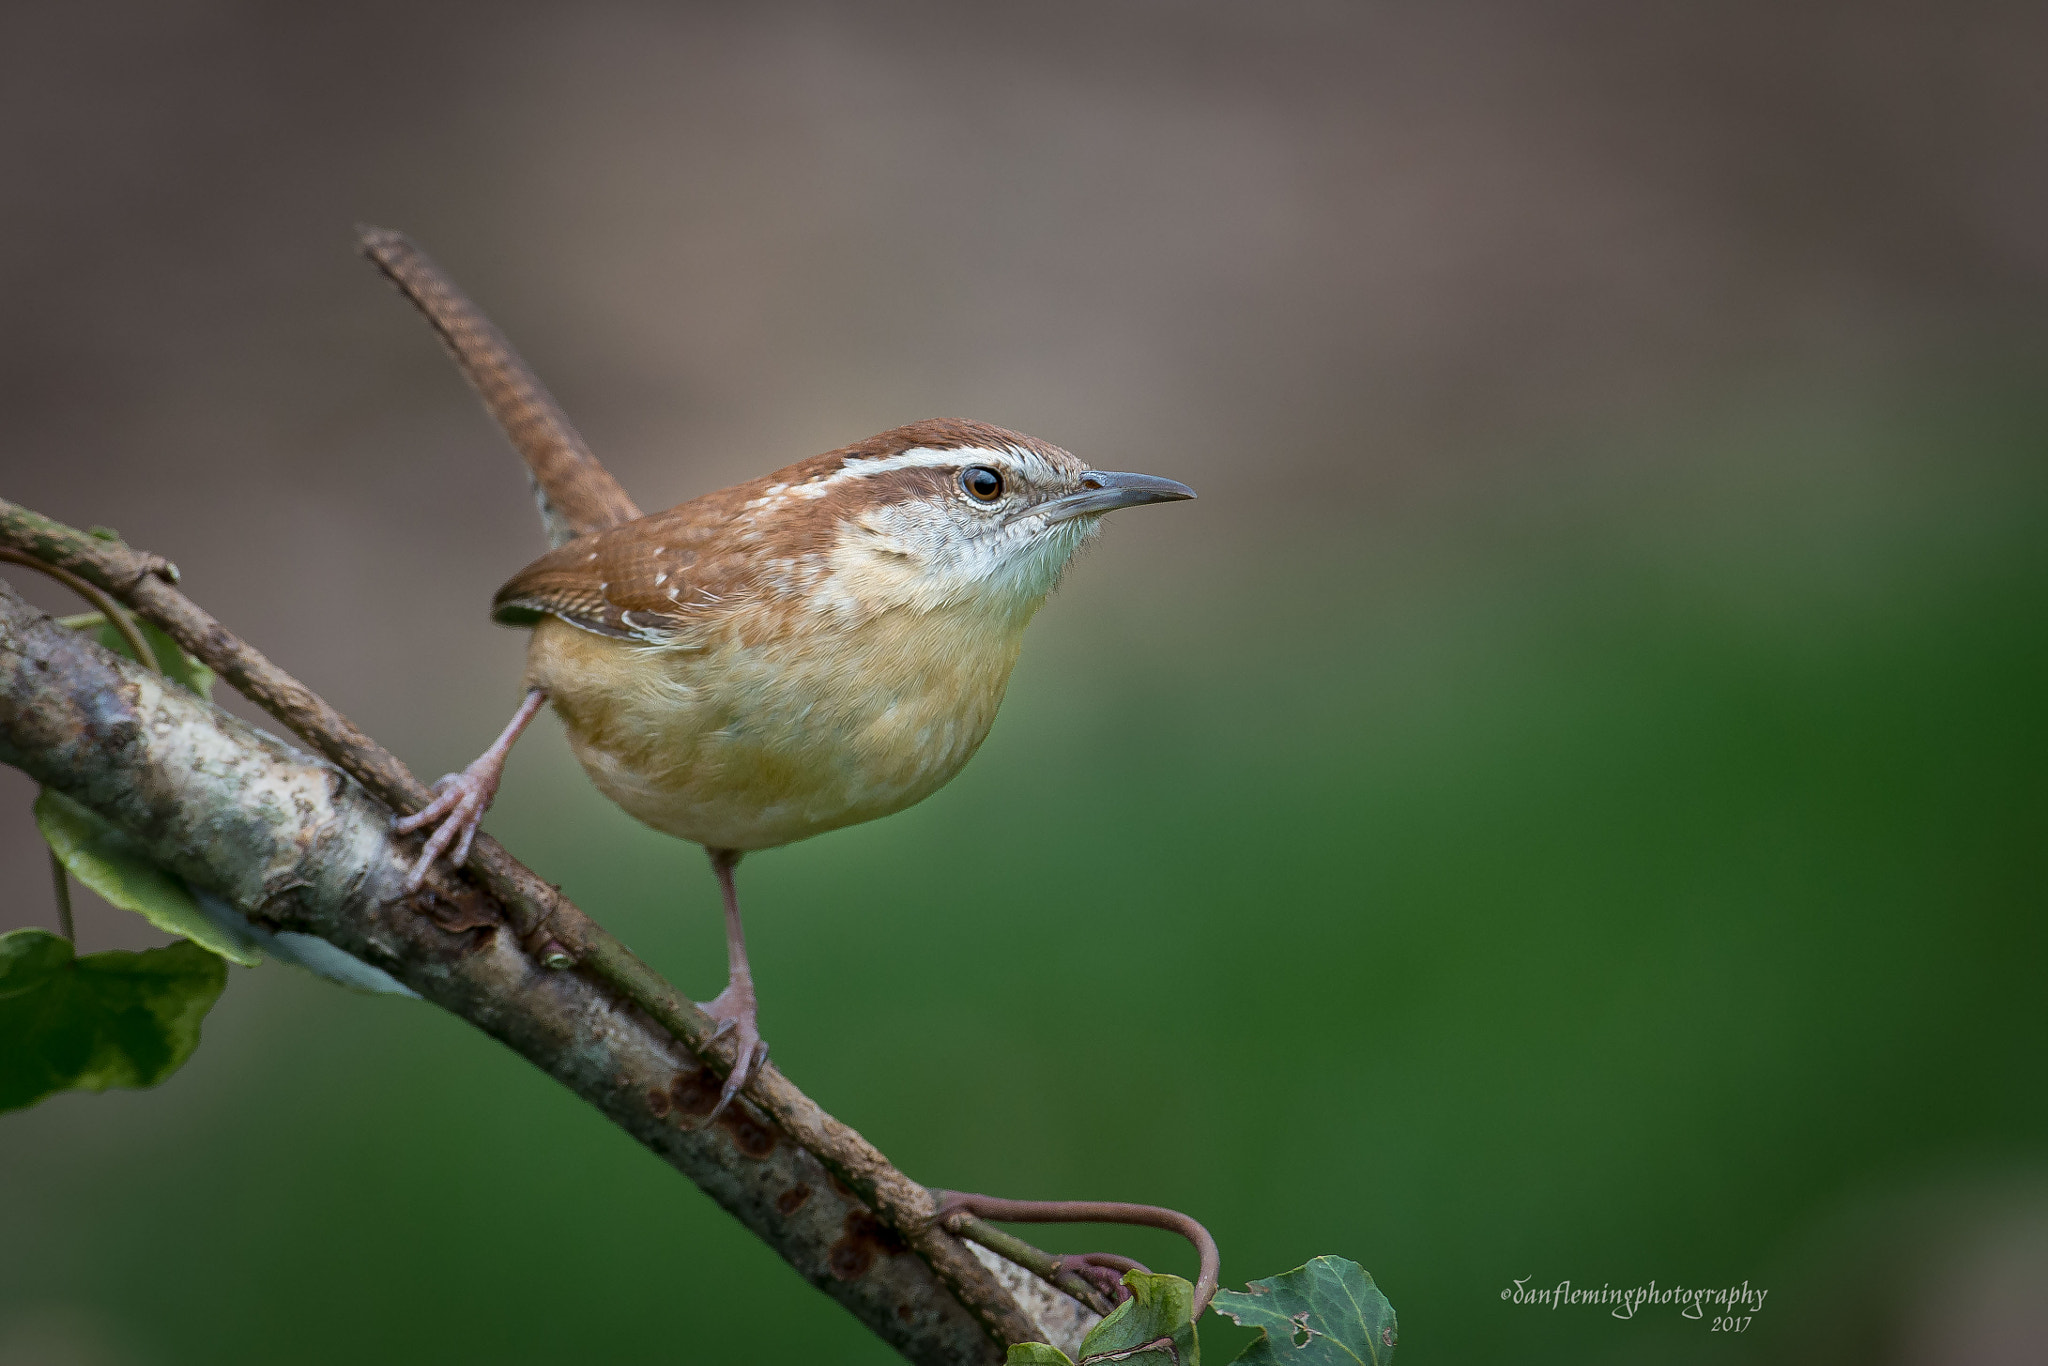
{"x": 641, "y": 581}
{"x": 654, "y": 578}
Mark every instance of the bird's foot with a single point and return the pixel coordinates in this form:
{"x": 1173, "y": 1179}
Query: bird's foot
{"x": 739, "y": 1021}
{"x": 460, "y": 800}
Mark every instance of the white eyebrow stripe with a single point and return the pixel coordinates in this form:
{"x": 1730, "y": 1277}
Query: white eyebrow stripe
{"x": 928, "y": 457}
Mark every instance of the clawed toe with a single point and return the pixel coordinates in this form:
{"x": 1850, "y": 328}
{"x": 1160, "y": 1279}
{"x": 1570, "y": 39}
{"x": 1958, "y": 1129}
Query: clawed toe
{"x": 744, "y": 1070}
{"x": 460, "y": 800}
{"x": 734, "y": 1008}
{"x": 734, "y": 1011}
{"x": 446, "y": 795}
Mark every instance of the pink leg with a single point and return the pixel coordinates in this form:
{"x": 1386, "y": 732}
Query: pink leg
{"x": 460, "y": 799}
{"x": 734, "y": 1008}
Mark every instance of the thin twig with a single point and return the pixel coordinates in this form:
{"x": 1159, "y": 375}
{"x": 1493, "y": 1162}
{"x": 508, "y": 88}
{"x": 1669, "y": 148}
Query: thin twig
{"x": 953, "y": 1203}
{"x": 1044, "y": 1265}
{"x": 116, "y": 614}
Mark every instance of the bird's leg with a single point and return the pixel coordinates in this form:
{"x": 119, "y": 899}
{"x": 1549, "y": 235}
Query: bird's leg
{"x": 734, "y": 1008}
{"x": 460, "y": 799}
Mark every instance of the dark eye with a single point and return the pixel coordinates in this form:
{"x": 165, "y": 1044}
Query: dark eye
{"x": 983, "y": 484}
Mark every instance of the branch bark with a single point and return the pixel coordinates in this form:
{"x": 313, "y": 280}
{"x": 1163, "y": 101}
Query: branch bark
{"x": 294, "y": 844}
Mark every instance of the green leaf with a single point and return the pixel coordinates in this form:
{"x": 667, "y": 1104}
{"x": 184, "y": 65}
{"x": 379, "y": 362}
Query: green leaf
{"x": 1160, "y": 1307}
{"x": 107, "y": 1019}
{"x": 178, "y": 666}
{"x": 1036, "y": 1354}
{"x": 106, "y": 860}
{"x": 1322, "y": 1314}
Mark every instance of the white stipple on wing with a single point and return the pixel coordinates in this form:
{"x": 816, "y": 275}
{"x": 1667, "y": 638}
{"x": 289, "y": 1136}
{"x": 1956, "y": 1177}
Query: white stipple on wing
{"x": 793, "y": 576}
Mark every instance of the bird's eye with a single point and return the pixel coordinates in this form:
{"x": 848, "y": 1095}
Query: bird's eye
{"x": 983, "y": 484}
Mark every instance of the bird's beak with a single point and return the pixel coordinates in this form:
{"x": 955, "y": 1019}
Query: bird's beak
{"x": 1106, "y": 491}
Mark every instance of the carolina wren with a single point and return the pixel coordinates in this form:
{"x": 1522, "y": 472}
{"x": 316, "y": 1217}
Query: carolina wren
{"x": 816, "y": 647}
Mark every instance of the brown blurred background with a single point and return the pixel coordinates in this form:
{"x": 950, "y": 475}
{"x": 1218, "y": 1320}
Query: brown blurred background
{"x": 1424, "y": 300}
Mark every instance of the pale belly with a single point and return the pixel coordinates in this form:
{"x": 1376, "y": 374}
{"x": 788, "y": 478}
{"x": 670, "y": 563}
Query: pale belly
{"x": 748, "y": 747}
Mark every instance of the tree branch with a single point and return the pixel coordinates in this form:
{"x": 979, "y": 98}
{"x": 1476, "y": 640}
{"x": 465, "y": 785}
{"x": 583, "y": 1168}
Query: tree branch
{"x": 294, "y": 845}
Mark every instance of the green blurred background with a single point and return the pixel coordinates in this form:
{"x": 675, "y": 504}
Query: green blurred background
{"x": 1566, "y": 803}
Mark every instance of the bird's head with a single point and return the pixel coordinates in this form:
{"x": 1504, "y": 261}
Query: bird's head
{"x": 946, "y": 513}
{"x": 936, "y": 516}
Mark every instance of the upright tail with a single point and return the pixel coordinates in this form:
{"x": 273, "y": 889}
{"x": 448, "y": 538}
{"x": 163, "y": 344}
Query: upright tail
{"x": 576, "y": 494}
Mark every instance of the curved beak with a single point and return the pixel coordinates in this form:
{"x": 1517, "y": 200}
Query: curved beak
{"x": 1106, "y": 491}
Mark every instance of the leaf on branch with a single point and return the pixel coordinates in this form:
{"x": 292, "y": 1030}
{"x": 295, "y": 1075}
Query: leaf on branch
{"x": 107, "y": 1019}
{"x": 1321, "y": 1314}
{"x": 1154, "y": 1327}
{"x": 1036, "y": 1354}
{"x": 175, "y": 664}
{"x": 106, "y": 860}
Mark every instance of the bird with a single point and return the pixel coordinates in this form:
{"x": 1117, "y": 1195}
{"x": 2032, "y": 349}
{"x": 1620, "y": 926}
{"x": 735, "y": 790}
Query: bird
{"x": 820, "y": 646}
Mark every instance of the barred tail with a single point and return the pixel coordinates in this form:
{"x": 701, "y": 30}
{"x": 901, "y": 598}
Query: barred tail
{"x": 576, "y": 494}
